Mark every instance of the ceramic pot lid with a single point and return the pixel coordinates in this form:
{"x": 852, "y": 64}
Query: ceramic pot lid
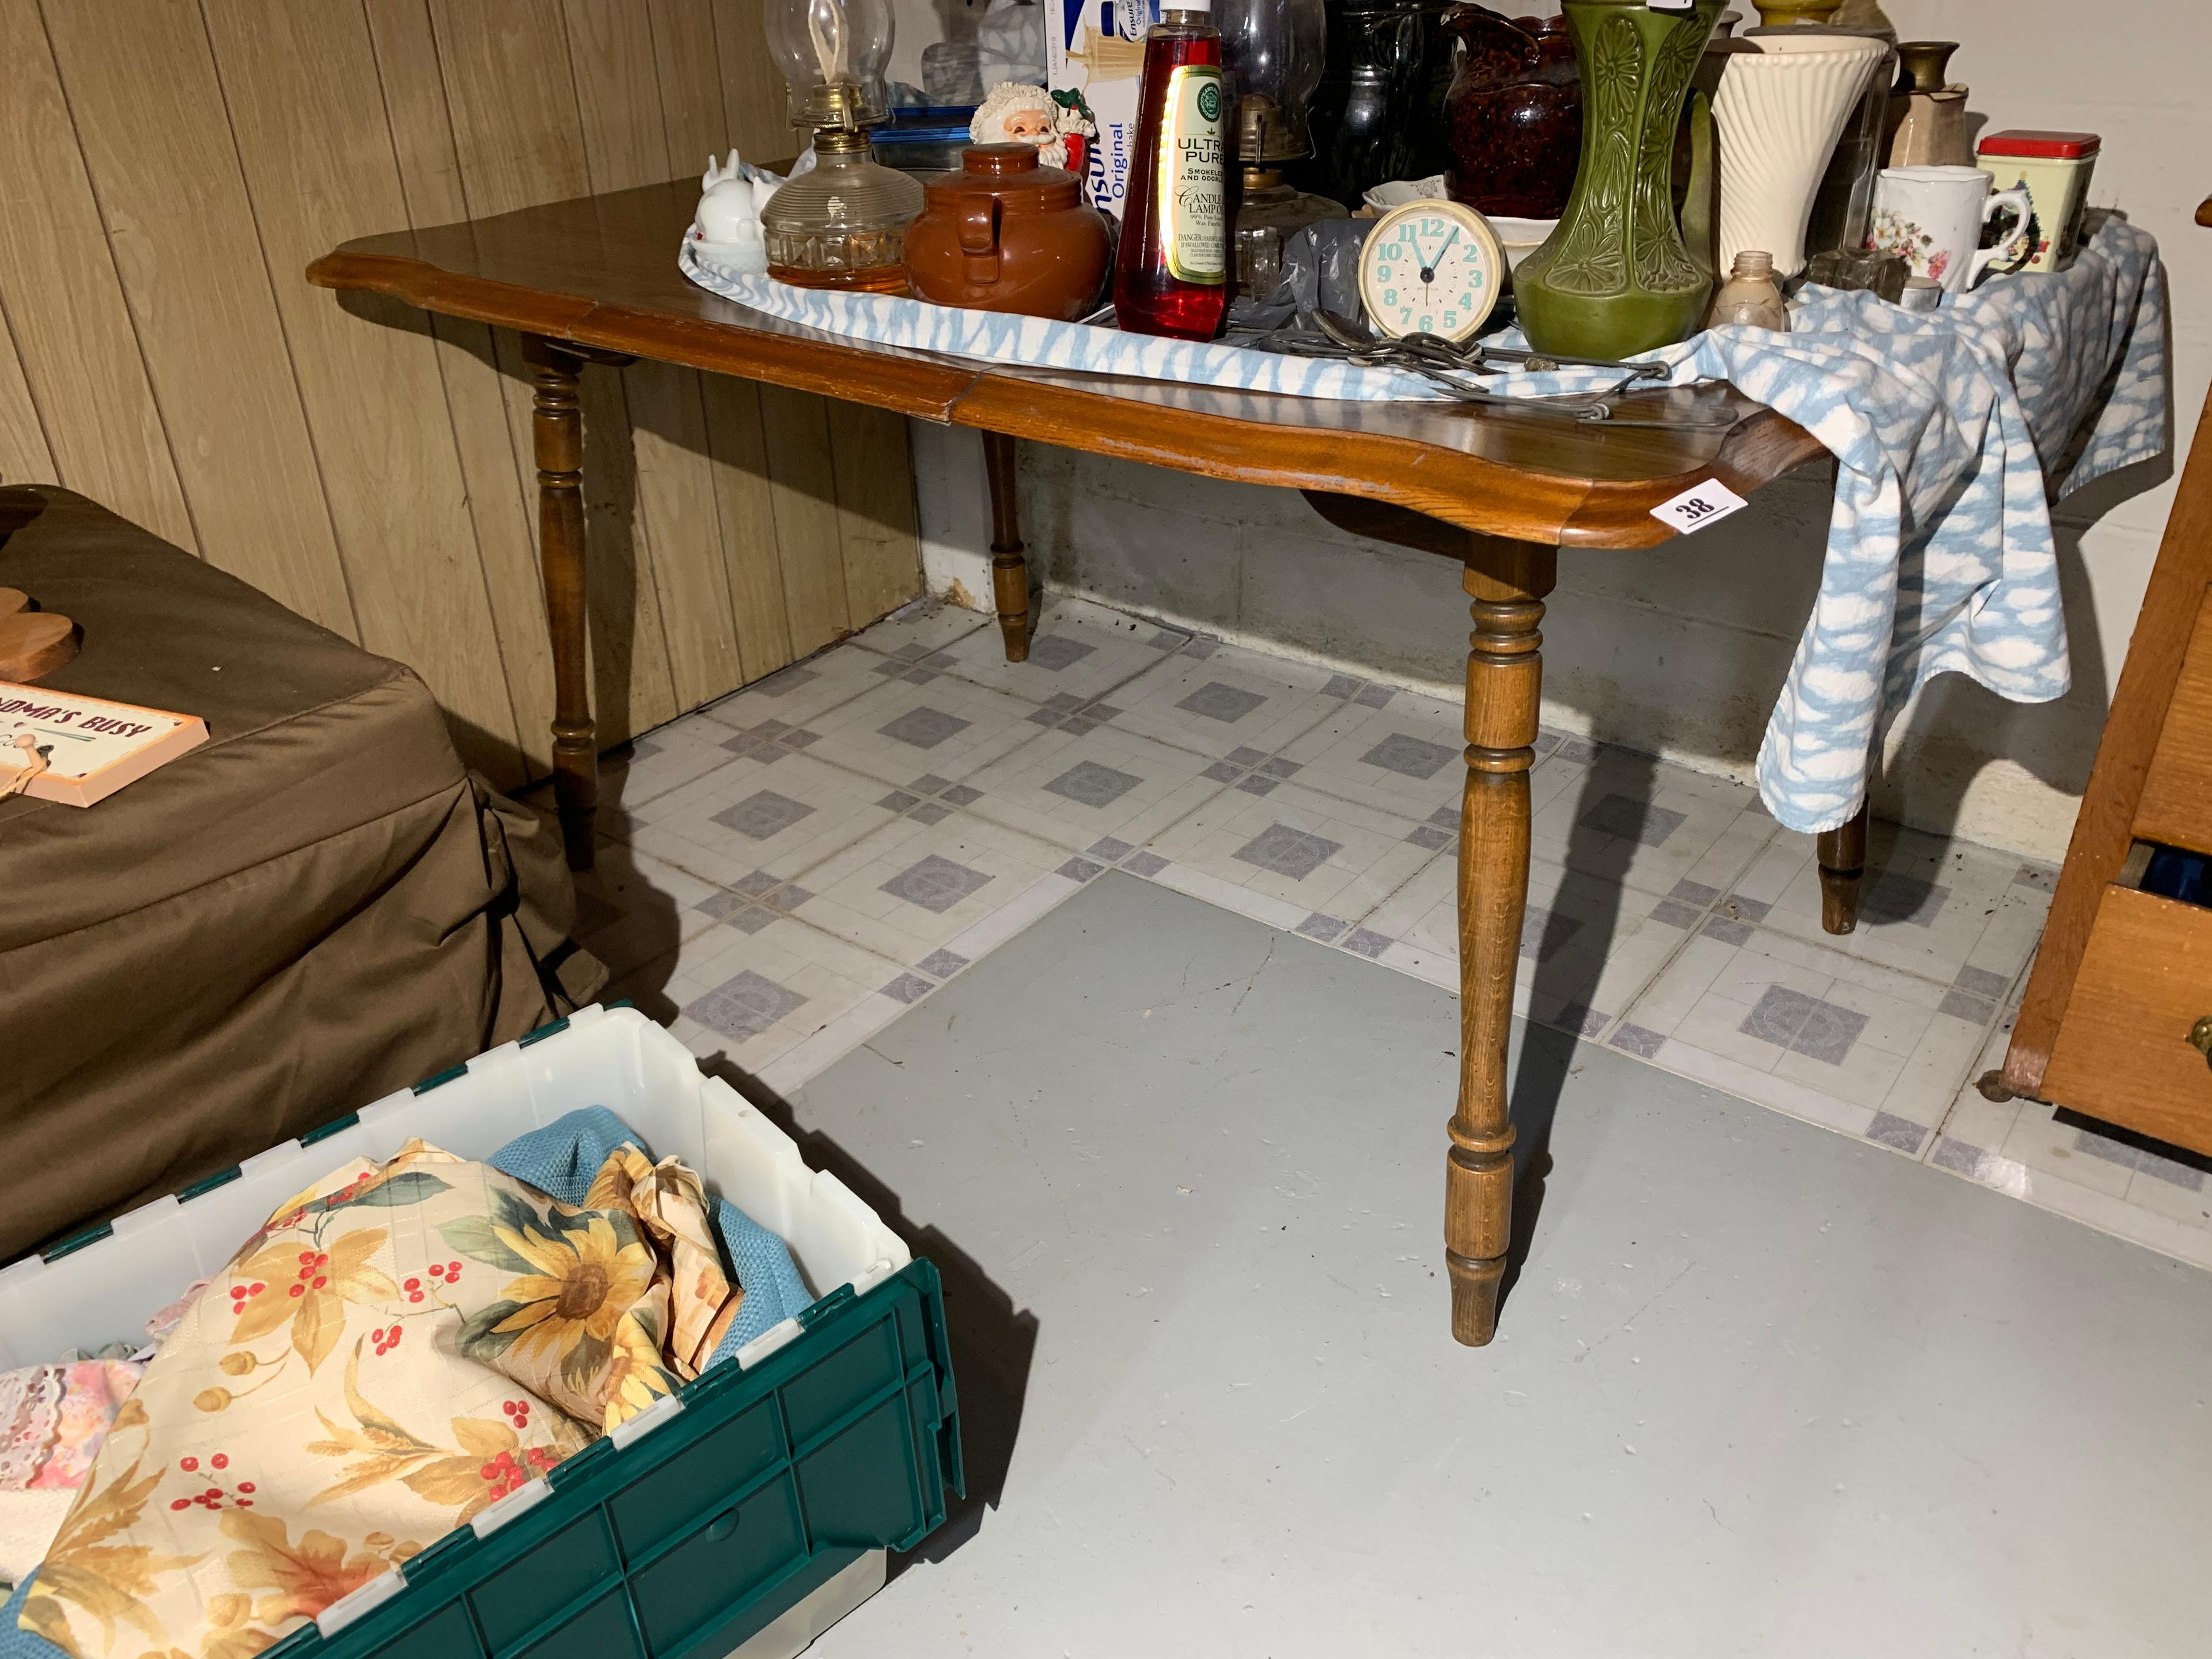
{"x": 1009, "y": 173}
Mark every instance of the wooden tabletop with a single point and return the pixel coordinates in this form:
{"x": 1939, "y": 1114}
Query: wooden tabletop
{"x": 601, "y": 271}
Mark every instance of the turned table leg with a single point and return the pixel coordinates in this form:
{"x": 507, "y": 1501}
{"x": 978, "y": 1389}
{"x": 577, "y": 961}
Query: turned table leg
{"x": 1507, "y": 581}
{"x": 1842, "y": 855}
{"x": 558, "y": 425}
{"x": 1010, "y": 571}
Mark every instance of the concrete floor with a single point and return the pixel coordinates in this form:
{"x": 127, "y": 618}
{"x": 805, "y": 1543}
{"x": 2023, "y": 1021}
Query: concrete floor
{"x": 1759, "y": 1389}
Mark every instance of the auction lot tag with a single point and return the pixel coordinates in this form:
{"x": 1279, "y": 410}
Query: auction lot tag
{"x": 1694, "y": 508}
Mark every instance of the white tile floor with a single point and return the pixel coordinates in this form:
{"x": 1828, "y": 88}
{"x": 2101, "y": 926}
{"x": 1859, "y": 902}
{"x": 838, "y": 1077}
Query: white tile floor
{"x": 784, "y": 873}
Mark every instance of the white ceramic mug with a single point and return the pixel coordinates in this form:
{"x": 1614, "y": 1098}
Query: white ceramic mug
{"x": 1933, "y": 216}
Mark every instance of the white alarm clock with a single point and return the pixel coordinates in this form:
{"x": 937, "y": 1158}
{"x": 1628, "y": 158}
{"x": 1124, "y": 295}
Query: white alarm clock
{"x": 1431, "y": 266}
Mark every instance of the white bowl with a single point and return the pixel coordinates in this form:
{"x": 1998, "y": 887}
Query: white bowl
{"x": 1522, "y": 237}
{"x": 1396, "y": 192}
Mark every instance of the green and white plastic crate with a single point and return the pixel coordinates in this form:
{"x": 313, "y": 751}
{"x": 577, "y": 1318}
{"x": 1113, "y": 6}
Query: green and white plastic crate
{"x": 746, "y": 1514}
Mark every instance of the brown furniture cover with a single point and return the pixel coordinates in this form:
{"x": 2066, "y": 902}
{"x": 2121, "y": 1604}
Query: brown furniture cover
{"x": 316, "y": 907}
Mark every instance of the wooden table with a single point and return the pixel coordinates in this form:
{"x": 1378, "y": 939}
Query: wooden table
{"x": 595, "y": 281}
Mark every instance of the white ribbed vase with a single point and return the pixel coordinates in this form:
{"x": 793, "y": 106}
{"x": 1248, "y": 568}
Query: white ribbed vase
{"x": 1779, "y": 113}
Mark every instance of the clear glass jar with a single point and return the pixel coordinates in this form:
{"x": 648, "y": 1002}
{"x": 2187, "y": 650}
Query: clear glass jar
{"x": 843, "y": 225}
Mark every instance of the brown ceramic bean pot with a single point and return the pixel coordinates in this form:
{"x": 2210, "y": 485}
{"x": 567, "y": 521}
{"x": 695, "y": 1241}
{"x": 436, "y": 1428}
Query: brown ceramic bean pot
{"x": 1004, "y": 234}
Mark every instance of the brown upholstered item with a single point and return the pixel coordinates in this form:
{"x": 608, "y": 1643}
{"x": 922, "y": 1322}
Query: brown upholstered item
{"x": 319, "y": 906}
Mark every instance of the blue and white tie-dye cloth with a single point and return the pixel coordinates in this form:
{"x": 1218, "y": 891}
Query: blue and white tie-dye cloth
{"x": 1952, "y": 430}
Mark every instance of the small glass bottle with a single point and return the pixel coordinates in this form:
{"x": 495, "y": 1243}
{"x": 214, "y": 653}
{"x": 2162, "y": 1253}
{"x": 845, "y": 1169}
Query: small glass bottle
{"x": 1172, "y": 271}
{"x": 1750, "y": 296}
{"x": 843, "y": 224}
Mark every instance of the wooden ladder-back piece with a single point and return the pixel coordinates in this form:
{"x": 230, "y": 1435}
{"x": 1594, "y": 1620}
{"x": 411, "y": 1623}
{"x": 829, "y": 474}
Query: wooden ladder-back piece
{"x": 2057, "y": 1011}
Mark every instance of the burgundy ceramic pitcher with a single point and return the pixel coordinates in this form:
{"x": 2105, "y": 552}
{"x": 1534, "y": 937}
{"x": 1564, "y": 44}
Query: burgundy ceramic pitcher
{"x": 1513, "y": 119}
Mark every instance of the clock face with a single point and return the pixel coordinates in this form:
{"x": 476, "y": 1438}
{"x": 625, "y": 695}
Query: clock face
{"x": 1430, "y": 267}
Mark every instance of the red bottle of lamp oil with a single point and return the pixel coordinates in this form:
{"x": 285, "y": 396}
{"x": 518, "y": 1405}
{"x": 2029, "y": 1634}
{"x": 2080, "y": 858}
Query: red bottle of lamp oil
{"x": 1172, "y": 271}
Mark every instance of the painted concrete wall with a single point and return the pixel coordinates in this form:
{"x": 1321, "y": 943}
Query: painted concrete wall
{"x": 1680, "y": 651}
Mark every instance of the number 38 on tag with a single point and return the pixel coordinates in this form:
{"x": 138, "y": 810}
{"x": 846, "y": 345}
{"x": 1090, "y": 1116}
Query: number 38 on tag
{"x": 1694, "y": 508}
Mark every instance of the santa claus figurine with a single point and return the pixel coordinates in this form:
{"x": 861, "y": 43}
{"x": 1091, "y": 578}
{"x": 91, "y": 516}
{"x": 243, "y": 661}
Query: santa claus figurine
{"x": 1018, "y": 114}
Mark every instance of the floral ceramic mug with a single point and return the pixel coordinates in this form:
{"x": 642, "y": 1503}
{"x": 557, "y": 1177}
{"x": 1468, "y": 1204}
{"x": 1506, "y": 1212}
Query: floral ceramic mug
{"x": 1933, "y": 216}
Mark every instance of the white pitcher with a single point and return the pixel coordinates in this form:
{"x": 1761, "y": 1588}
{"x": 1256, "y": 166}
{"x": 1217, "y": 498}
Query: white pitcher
{"x": 1933, "y": 216}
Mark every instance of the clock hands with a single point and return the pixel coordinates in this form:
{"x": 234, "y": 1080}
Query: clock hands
{"x": 1428, "y": 268}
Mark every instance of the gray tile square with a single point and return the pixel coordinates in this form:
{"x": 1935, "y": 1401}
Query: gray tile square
{"x": 1972, "y": 1009}
{"x": 1446, "y": 817}
{"x": 1778, "y": 1016}
{"x": 912, "y": 651}
{"x": 923, "y": 728}
{"x": 2111, "y": 1151}
{"x": 1545, "y": 933}
{"x": 1225, "y": 703}
{"x": 1324, "y": 928}
{"x": 1078, "y": 869}
{"x": 1053, "y": 652}
{"x": 1256, "y": 785}
{"x": 748, "y": 919}
{"x": 1637, "y": 1040}
{"x": 1089, "y": 784}
{"x": 763, "y": 814}
{"x": 757, "y": 882}
{"x": 719, "y": 905}
{"x": 961, "y": 795}
{"x": 1205, "y": 645}
{"x": 785, "y": 681}
{"x": 1361, "y": 942}
{"x": 1374, "y": 696}
{"x": 1167, "y": 640}
{"x": 1428, "y": 836}
{"x": 930, "y": 812}
{"x": 753, "y": 747}
{"x": 1901, "y": 898}
{"x": 939, "y": 659}
{"x": 1901, "y": 1133}
{"x": 1633, "y": 820}
{"x": 942, "y": 964}
{"x": 1340, "y": 685}
{"x": 1410, "y": 756}
{"x": 1107, "y": 848}
{"x": 799, "y": 738}
{"x": 1143, "y": 864}
{"x": 1280, "y": 768}
{"x": 890, "y": 668}
{"x": 917, "y": 676}
{"x": 1100, "y": 713}
{"x": 1077, "y": 725}
{"x": 1693, "y": 892}
{"x": 744, "y": 1006}
{"x": 1244, "y": 754}
{"x": 1959, "y": 1158}
{"x": 1981, "y": 982}
{"x": 1580, "y": 752}
{"x": 2170, "y": 1171}
{"x": 789, "y": 896}
{"x": 936, "y": 884}
{"x": 1287, "y": 852}
{"x": 1579, "y": 1018}
{"x": 1063, "y": 703}
{"x": 898, "y": 800}
{"x": 909, "y": 988}
{"x": 1675, "y": 914}
{"x": 928, "y": 784}
{"x": 1222, "y": 771}
{"x": 1044, "y": 717}
{"x": 774, "y": 728}
{"x": 1828, "y": 1033}
{"x": 1727, "y": 931}
{"x": 2037, "y": 876}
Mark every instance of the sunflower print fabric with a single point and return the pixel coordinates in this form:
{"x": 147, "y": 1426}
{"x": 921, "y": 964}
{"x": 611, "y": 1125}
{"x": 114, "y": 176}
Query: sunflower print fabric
{"x": 397, "y": 1347}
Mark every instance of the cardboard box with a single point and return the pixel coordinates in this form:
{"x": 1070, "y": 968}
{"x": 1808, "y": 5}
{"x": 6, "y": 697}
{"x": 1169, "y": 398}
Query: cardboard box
{"x": 1096, "y": 48}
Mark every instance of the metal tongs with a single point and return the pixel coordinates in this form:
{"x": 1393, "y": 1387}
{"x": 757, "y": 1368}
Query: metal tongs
{"x": 1449, "y": 365}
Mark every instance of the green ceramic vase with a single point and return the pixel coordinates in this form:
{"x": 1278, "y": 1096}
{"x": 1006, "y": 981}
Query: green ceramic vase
{"x": 1615, "y": 278}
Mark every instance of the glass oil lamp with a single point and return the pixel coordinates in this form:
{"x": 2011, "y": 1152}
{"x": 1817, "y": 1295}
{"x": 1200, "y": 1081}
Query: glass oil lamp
{"x": 1272, "y": 50}
{"x": 843, "y": 224}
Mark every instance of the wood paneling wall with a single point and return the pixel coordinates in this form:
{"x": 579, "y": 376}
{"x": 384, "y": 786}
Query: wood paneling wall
{"x": 168, "y": 168}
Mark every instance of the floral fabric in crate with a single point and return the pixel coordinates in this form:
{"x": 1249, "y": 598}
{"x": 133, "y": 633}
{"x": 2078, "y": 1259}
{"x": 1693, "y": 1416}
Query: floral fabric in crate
{"x": 401, "y": 1346}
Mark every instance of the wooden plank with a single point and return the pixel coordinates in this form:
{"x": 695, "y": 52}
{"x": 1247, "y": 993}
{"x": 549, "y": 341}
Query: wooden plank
{"x": 519, "y": 138}
{"x": 2177, "y": 798}
{"x": 625, "y": 143}
{"x": 300, "y": 79}
{"x": 430, "y": 179}
{"x": 803, "y": 486}
{"x": 2122, "y": 1052}
{"x": 753, "y": 91}
{"x": 24, "y": 457}
{"x": 141, "y": 82}
{"x": 692, "y": 114}
{"x": 746, "y": 500}
{"x": 876, "y": 512}
{"x": 78, "y": 349}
